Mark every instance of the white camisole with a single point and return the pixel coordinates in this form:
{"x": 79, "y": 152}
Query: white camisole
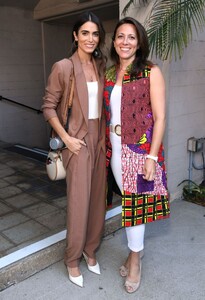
{"x": 93, "y": 100}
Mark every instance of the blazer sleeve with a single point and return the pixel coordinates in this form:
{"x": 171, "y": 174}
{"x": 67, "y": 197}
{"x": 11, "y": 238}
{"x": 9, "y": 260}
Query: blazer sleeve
{"x": 53, "y": 92}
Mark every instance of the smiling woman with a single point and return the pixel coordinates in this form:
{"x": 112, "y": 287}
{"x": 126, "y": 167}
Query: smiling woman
{"x": 126, "y": 44}
{"x": 84, "y": 156}
{"x": 87, "y": 39}
{"x": 134, "y": 97}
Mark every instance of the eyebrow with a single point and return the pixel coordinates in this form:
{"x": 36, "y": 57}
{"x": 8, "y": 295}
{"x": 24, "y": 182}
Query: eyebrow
{"x": 84, "y": 30}
{"x": 127, "y": 34}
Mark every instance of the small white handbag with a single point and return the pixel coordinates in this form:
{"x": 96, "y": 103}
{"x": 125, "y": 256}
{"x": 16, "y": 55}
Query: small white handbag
{"x": 54, "y": 165}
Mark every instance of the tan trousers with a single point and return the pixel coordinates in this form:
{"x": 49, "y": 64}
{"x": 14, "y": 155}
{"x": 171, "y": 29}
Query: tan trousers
{"x": 86, "y": 199}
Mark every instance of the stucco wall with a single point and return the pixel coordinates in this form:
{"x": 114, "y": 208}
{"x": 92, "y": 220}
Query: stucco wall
{"x": 186, "y": 110}
{"x": 57, "y": 44}
{"x": 21, "y": 77}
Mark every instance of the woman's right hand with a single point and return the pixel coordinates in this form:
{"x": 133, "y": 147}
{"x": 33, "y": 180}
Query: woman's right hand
{"x": 73, "y": 144}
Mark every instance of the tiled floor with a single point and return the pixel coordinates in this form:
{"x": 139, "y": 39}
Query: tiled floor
{"x": 31, "y": 206}
{"x": 29, "y": 201}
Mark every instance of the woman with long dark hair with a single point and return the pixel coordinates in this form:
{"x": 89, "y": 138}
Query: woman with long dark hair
{"x": 84, "y": 156}
{"x": 134, "y": 97}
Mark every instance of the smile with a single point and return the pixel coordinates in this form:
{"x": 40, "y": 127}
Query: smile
{"x": 125, "y": 49}
{"x": 90, "y": 46}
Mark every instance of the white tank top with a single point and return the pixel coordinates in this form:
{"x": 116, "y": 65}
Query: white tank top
{"x": 93, "y": 100}
{"x": 115, "y": 105}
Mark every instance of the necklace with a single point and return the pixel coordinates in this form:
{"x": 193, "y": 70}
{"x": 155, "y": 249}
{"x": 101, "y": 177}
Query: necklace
{"x": 89, "y": 71}
{"x": 90, "y": 77}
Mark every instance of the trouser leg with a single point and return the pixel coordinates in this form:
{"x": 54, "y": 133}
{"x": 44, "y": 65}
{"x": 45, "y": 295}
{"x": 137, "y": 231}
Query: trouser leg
{"x": 96, "y": 217}
{"x": 78, "y": 194}
{"x": 86, "y": 199}
{"x": 135, "y": 234}
{"x": 135, "y": 237}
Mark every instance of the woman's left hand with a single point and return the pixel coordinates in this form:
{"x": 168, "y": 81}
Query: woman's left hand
{"x": 149, "y": 169}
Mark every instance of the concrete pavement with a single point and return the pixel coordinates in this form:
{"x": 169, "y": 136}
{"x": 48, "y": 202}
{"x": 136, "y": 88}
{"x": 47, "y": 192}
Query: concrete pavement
{"x": 173, "y": 267}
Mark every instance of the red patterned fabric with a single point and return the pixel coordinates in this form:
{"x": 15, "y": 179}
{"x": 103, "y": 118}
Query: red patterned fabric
{"x": 142, "y": 201}
{"x": 143, "y": 209}
{"x": 136, "y": 116}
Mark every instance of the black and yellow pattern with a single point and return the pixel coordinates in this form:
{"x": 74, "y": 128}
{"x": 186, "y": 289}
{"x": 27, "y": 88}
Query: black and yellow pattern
{"x": 142, "y": 209}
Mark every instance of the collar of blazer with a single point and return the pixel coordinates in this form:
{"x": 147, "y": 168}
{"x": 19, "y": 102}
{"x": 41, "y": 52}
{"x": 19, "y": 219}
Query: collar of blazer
{"x": 81, "y": 86}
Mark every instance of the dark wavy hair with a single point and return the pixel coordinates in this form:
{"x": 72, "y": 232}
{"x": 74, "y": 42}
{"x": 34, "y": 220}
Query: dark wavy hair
{"x": 142, "y": 53}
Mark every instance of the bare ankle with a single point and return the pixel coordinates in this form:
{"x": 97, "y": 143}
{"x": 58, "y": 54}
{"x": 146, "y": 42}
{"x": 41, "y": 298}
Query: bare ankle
{"x": 75, "y": 271}
{"x": 92, "y": 261}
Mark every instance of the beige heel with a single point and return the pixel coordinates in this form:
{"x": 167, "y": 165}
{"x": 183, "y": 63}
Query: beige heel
{"x": 124, "y": 270}
{"x": 132, "y": 287}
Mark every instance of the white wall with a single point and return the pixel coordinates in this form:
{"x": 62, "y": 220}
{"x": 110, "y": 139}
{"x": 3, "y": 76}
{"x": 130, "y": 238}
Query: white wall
{"x": 57, "y": 44}
{"x": 186, "y": 112}
{"x": 56, "y": 40}
{"x": 21, "y": 77}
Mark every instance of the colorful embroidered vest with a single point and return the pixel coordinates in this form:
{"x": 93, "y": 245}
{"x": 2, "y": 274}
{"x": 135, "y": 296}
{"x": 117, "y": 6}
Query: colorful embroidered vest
{"x": 136, "y": 112}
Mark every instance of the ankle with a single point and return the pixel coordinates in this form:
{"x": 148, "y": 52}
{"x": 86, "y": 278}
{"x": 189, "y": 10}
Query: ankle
{"x": 90, "y": 260}
{"x": 75, "y": 271}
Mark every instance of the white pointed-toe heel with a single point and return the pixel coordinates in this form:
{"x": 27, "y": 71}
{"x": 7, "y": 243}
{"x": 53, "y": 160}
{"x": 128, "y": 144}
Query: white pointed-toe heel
{"x": 78, "y": 280}
{"x": 95, "y": 269}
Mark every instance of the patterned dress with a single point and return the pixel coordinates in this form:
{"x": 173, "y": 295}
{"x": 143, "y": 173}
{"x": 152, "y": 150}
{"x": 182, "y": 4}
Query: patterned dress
{"x": 142, "y": 201}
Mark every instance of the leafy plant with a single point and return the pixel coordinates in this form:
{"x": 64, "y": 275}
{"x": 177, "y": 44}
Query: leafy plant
{"x": 129, "y": 3}
{"x": 169, "y": 25}
{"x": 193, "y": 192}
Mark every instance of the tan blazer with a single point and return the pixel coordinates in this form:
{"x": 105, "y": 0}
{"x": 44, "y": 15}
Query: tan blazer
{"x": 57, "y": 93}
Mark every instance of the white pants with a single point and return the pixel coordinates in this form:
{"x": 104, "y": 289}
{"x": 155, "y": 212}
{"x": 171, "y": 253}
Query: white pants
{"x": 135, "y": 234}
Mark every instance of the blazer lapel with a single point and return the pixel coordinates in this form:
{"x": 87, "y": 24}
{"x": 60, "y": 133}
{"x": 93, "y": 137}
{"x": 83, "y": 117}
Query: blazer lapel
{"x": 81, "y": 86}
{"x": 82, "y": 89}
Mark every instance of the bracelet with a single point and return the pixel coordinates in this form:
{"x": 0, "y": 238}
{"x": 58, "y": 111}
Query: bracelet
{"x": 155, "y": 158}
